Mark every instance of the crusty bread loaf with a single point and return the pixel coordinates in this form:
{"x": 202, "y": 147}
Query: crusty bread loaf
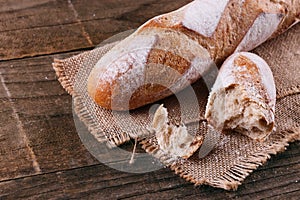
{"x": 145, "y": 68}
{"x": 243, "y": 97}
{"x": 171, "y": 51}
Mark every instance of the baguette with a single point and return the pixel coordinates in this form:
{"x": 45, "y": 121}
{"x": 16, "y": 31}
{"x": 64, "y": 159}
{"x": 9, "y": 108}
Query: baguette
{"x": 173, "y": 50}
{"x": 243, "y": 97}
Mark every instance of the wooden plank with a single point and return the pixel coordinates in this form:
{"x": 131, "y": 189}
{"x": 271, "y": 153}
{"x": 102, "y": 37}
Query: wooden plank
{"x": 14, "y": 158}
{"x": 134, "y": 11}
{"x": 94, "y": 10}
{"x": 30, "y": 90}
{"x": 100, "y": 30}
{"x": 285, "y": 195}
{"x": 33, "y": 78}
{"x": 44, "y": 40}
{"x": 26, "y": 68}
{"x": 105, "y": 19}
{"x": 56, "y": 144}
{"x": 258, "y": 185}
{"x": 25, "y": 78}
{"x": 105, "y": 182}
{"x": 44, "y": 106}
{"x": 2, "y": 92}
{"x": 99, "y": 181}
{"x": 89, "y": 182}
{"x": 149, "y": 10}
{"x": 33, "y": 14}
{"x": 38, "y": 27}
{"x": 33, "y": 187}
{"x": 275, "y": 186}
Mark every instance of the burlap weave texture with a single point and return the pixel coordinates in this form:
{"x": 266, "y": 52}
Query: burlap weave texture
{"x": 235, "y": 156}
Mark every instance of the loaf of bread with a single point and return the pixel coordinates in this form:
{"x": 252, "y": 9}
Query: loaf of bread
{"x": 243, "y": 97}
{"x": 171, "y": 51}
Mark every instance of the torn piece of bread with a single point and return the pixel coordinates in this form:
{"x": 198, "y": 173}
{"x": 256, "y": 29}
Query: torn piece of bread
{"x": 175, "y": 141}
{"x": 243, "y": 97}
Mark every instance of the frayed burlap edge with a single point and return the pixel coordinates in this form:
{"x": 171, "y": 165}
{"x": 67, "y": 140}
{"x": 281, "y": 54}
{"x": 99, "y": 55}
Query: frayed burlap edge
{"x": 83, "y": 114}
{"x": 65, "y": 81}
{"x": 94, "y": 128}
{"x": 237, "y": 174}
{"x": 112, "y": 140}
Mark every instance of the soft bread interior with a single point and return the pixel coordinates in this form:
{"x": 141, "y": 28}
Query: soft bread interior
{"x": 231, "y": 109}
{"x": 174, "y": 140}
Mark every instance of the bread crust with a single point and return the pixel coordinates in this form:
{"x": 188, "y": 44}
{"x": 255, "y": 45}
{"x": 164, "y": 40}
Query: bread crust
{"x": 156, "y": 69}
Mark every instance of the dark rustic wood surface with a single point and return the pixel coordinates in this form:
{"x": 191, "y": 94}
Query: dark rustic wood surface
{"x": 41, "y": 154}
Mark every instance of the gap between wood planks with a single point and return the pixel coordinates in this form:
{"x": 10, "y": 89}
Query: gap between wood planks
{"x": 84, "y": 33}
{"x": 22, "y": 132}
{"x": 72, "y": 52}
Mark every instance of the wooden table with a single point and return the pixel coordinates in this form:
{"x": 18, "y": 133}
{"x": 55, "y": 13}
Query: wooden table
{"x": 41, "y": 154}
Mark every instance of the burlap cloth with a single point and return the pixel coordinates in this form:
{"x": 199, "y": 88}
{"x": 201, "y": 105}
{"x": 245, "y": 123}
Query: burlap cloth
{"x": 235, "y": 156}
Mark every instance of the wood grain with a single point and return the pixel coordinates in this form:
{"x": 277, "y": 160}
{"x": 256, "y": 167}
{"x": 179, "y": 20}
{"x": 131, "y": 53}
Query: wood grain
{"x": 31, "y": 28}
{"x": 41, "y": 153}
{"x": 14, "y": 158}
{"x": 47, "y": 27}
{"x": 99, "y": 181}
{"x": 34, "y": 14}
{"x": 104, "y": 19}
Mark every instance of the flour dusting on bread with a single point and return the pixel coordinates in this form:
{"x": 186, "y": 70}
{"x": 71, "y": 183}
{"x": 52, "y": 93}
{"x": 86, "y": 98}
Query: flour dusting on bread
{"x": 119, "y": 59}
{"x": 203, "y": 16}
{"x": 263, "y": 27}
